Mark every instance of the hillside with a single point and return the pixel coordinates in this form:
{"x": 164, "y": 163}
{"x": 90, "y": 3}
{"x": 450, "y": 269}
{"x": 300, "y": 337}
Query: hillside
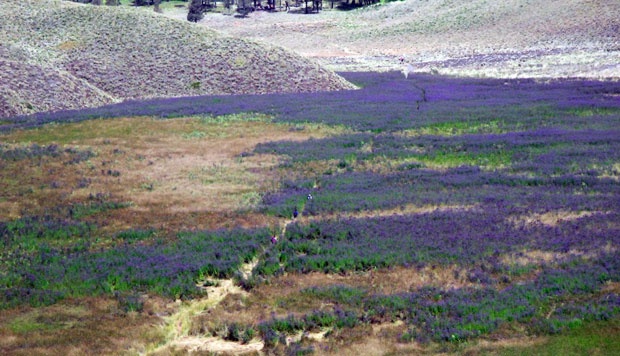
{"x": 512, "y": 38}
{"x": 60, "y": 55}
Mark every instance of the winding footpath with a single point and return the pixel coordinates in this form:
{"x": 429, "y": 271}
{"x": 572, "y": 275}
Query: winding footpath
{"x": 177, "y": 326}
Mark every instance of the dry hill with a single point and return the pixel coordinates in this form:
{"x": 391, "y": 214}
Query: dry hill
{"x": 490, "y": 38}
{"x": 60, "y": 55}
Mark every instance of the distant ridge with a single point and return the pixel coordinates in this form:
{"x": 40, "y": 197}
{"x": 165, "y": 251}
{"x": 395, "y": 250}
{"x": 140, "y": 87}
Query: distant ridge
{"x": 479, "y": 38}
{"x": 61, "y": 55}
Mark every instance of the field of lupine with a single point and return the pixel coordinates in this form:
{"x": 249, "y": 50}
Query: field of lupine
{"x": 504, "y": 194}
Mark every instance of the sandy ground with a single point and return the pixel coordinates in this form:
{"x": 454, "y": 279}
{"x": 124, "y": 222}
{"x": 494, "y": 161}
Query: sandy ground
{"x": 512, "y": 38}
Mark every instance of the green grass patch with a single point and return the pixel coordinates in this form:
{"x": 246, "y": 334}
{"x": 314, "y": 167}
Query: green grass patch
{"x": 71, "y": 133}
{"x": 31, "y": 233}
{"x": 194, "y": 135}
{"x": 79, "y": 211}
{"x": 136, "y": 234}
{"x": 497, "y": 159}
{"x": 595, "y": 338}
{"x": 593, "y": 111}
{"x": 339, "y": 294}
{"x": 233, "y": 118}
{"x": 453, "y": 128}
{"x": 27, "y": 325}
{"x": 38, "y": 320}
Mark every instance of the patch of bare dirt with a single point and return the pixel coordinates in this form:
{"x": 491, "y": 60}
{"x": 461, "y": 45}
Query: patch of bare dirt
{"x": 216, "y": 345}
{"x": 552, "y": 218}
{"x": 383, "y": 281}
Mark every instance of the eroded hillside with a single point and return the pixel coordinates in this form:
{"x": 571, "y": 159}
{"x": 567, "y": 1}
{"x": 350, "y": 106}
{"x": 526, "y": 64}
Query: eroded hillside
{"x": 60, "y": 55}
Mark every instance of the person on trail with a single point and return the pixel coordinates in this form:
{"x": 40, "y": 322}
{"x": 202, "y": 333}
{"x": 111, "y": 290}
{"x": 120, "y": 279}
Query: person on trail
{"x": 407, "y": 68}
{"x": 274, "y": 239}
{"x": 295, "y": 213}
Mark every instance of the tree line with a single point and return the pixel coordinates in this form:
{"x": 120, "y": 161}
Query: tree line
{"x": 197, "y": 8}
{"x": 118, "y": 2}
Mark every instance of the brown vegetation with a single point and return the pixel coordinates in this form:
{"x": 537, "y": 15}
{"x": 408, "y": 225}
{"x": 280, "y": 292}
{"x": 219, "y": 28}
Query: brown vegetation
{"x": 88, "y": 326}
{"x": 167, "y": 169}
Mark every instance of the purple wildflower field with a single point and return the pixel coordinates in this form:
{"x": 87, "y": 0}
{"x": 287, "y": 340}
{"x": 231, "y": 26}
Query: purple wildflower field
{"x": 485, "y": 175}
{"x": 384, "y": 102}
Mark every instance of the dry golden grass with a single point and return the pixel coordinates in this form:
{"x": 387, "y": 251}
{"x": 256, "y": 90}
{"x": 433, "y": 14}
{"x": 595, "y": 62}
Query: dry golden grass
{"x": 407, "y": 209}
{"x": 215, "y": 345}
{"x": 551, "y": 218}
{"x": 367, "y": 340}
{"x": 494, "y": 347}
{"x": 382, "y": 281}
{"x": 181, "y": 173}
{"x": 88, "y": 326}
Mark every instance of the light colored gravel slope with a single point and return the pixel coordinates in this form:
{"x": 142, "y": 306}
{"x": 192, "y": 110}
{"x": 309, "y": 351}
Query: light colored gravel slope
{"x": 507, "y": 38}
{"x": 118, "y": 53}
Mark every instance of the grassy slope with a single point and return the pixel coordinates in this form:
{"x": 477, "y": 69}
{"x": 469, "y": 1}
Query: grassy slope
{"x": 79, "y": 56}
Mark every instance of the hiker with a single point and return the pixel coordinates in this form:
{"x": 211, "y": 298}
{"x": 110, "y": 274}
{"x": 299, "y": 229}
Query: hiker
{"x": 407, "y": 68}
{"x": 286, "y": 6}
{"x": 274, "y": 239}
{"x": 295, "y": 213}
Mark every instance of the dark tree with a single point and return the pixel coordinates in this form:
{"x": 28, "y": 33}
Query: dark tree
{"x": 196, "y": 11}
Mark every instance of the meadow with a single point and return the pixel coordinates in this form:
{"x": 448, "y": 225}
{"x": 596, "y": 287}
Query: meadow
{"x": 436, "y": 214}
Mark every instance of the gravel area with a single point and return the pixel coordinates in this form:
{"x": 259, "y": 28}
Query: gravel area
{"x": 510, "y": 38}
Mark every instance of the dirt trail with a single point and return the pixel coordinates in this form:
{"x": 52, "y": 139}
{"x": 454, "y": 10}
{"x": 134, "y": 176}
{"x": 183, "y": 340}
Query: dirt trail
{"x": 177, "y": 326}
